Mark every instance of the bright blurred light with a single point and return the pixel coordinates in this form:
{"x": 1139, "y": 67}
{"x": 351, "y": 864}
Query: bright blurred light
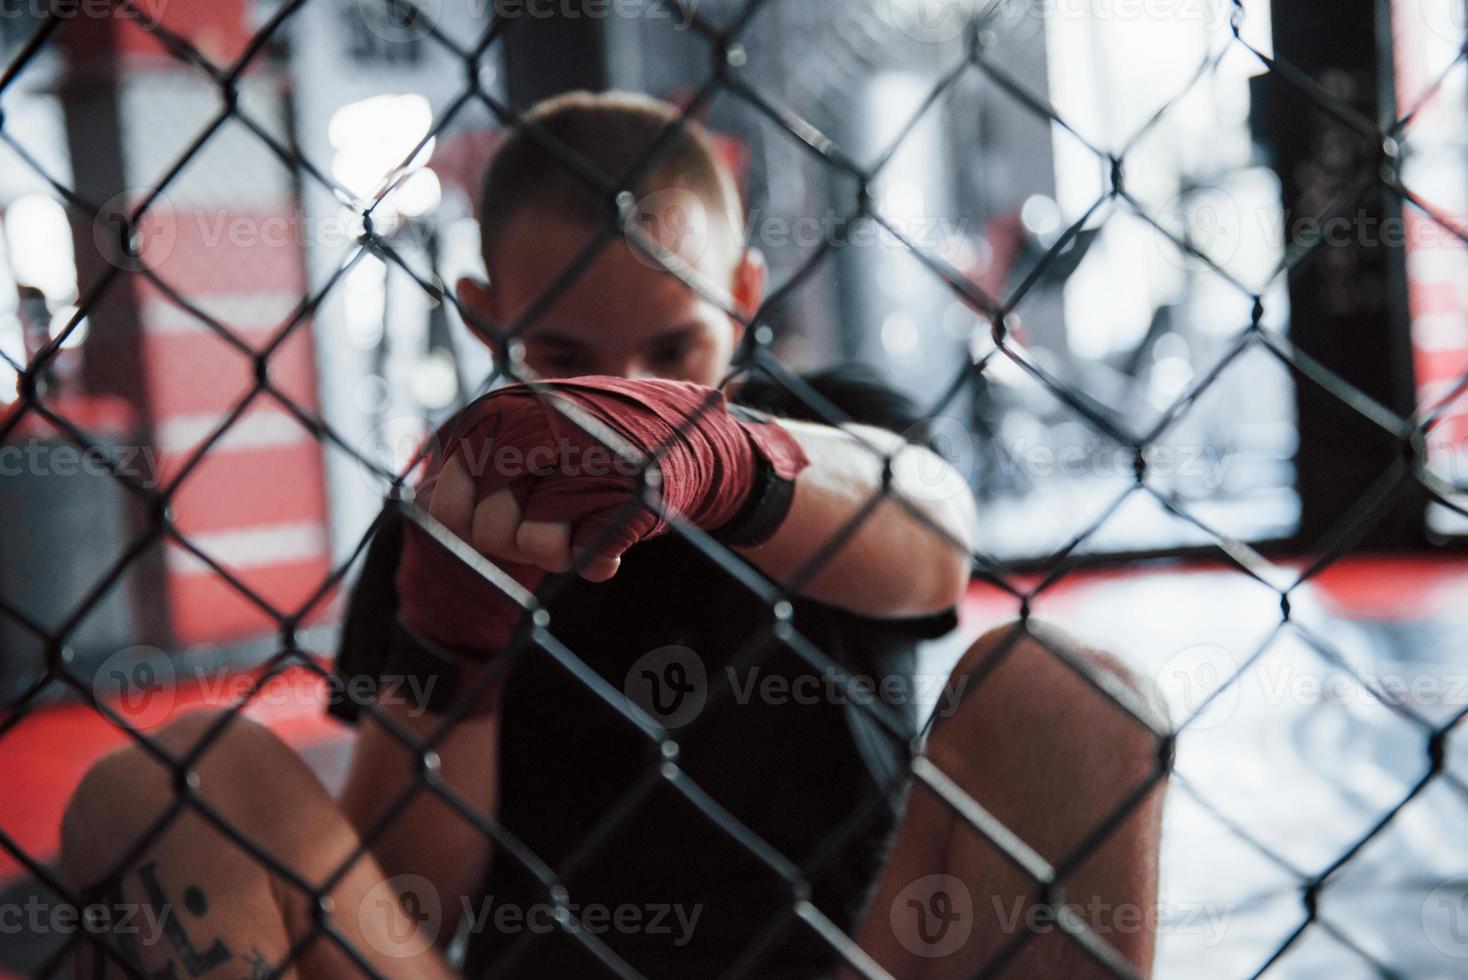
{"x": 373, "y": 136}
{"x": 418, "y": 194}
{"x": 1172, "y": 344}
{"x": 1041, "y": 216}
{"x": 1170, "y": 376}
{"x": 435, "y": 382}
{"x": 60, "y": 319}
{"x": 901, "y": 199}
{"x": 400, "y": 438}
{"x": 12, "y": 345}
{"x": 385, "y": 219}
{"x": 459, "y": 249}
{"x": 373, "y": 394}
{"x": 364, "y": 298}
{"x": 900, "y": 334}
{"x": 959, "y": 321}
{"x": 8, "y": 298}
{"x": 39, "y": 240}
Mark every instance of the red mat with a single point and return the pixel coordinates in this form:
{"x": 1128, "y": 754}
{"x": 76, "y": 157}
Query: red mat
{"x": 44, "y": 757}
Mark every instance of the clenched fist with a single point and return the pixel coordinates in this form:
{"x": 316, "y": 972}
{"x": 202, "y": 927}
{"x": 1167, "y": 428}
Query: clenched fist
{"x": 525, "y": 477}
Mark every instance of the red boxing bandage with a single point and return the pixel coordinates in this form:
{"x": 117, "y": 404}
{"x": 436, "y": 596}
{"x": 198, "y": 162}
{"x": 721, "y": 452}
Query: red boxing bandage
{"x": 445, "y": 602}
{"x": 715, "y": 467}
{"x": 530, "y": 441}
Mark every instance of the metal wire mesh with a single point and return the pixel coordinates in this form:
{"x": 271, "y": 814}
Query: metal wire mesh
{"x": 725, "y": 53}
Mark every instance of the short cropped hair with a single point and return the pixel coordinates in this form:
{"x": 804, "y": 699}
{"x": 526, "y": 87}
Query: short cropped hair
{"x": 613, "y": 132}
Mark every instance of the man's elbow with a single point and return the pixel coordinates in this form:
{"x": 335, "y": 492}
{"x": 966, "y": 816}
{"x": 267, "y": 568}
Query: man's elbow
{"x": 951, "y": 562}
{"x": 944, "y": 586}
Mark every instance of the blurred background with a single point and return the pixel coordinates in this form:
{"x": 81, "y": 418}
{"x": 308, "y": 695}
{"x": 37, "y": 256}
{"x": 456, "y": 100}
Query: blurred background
{"x": 981, "y": 182}
{"x": 1002, "y": 131}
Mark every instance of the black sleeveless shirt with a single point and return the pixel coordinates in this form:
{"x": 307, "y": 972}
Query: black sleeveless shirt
{"x": 804, "y": 780}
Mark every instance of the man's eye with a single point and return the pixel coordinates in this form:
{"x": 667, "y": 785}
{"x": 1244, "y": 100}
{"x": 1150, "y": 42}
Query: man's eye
{"x": 556, "y": 364}
{"x": 670, "y": 355}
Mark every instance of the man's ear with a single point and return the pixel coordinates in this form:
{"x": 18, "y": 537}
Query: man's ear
{"x": 749, "y": 283}
{"x": 476, "y": 298}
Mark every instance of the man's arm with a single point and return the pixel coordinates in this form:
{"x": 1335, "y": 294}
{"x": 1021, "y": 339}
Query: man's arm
{"x": 429, "y": 837}
{"x": 894, "y": 564}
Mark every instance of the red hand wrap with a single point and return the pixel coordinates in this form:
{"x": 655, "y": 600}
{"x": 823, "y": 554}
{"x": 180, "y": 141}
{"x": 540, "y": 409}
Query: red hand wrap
{"x": 448, "y": 603}
{"x": 560, "y": 472}
{"x": 516, "y": 438}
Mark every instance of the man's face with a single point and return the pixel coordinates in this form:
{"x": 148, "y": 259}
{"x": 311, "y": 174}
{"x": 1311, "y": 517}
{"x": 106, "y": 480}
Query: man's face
{"x": 624, "y": 316}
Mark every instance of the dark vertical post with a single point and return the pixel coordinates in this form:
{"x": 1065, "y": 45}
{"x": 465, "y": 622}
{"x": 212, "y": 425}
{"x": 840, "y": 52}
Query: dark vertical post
{"x": 91, "y": 93}
{"x": 1349, "y": 298}
{"x": 554, "y": 48}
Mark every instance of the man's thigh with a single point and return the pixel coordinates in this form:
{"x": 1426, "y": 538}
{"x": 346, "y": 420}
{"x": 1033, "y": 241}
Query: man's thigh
{"x": 1057, "y": 751}
{"x": 228, "y": 870}
{"x": 436, "y": 834}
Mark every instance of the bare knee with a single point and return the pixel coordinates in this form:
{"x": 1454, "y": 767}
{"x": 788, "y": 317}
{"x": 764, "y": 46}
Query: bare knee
{"x": 153, "y": 829}
{"x": 240, "y": 769}
{"x": 1035, "y": 671}
{"x": 1032, "y": 706}
{"x": 1067, "y": 748}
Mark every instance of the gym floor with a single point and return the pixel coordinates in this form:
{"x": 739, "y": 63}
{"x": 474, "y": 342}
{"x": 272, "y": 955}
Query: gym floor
{"x": 1287, "y": 769}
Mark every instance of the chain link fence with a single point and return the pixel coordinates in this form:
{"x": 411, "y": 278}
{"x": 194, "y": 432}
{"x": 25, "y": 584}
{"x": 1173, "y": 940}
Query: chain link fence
{"x": 121, "y": 231}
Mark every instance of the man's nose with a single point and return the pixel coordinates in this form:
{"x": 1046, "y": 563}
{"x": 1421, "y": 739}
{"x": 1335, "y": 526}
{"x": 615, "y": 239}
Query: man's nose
{"x": 630, "y": 368}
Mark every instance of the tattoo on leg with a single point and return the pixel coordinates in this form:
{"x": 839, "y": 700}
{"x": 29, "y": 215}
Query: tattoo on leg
{"x": 196, "y": 962}
{"x": 259, "y": 966}
{"x": 162, "y": 919}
